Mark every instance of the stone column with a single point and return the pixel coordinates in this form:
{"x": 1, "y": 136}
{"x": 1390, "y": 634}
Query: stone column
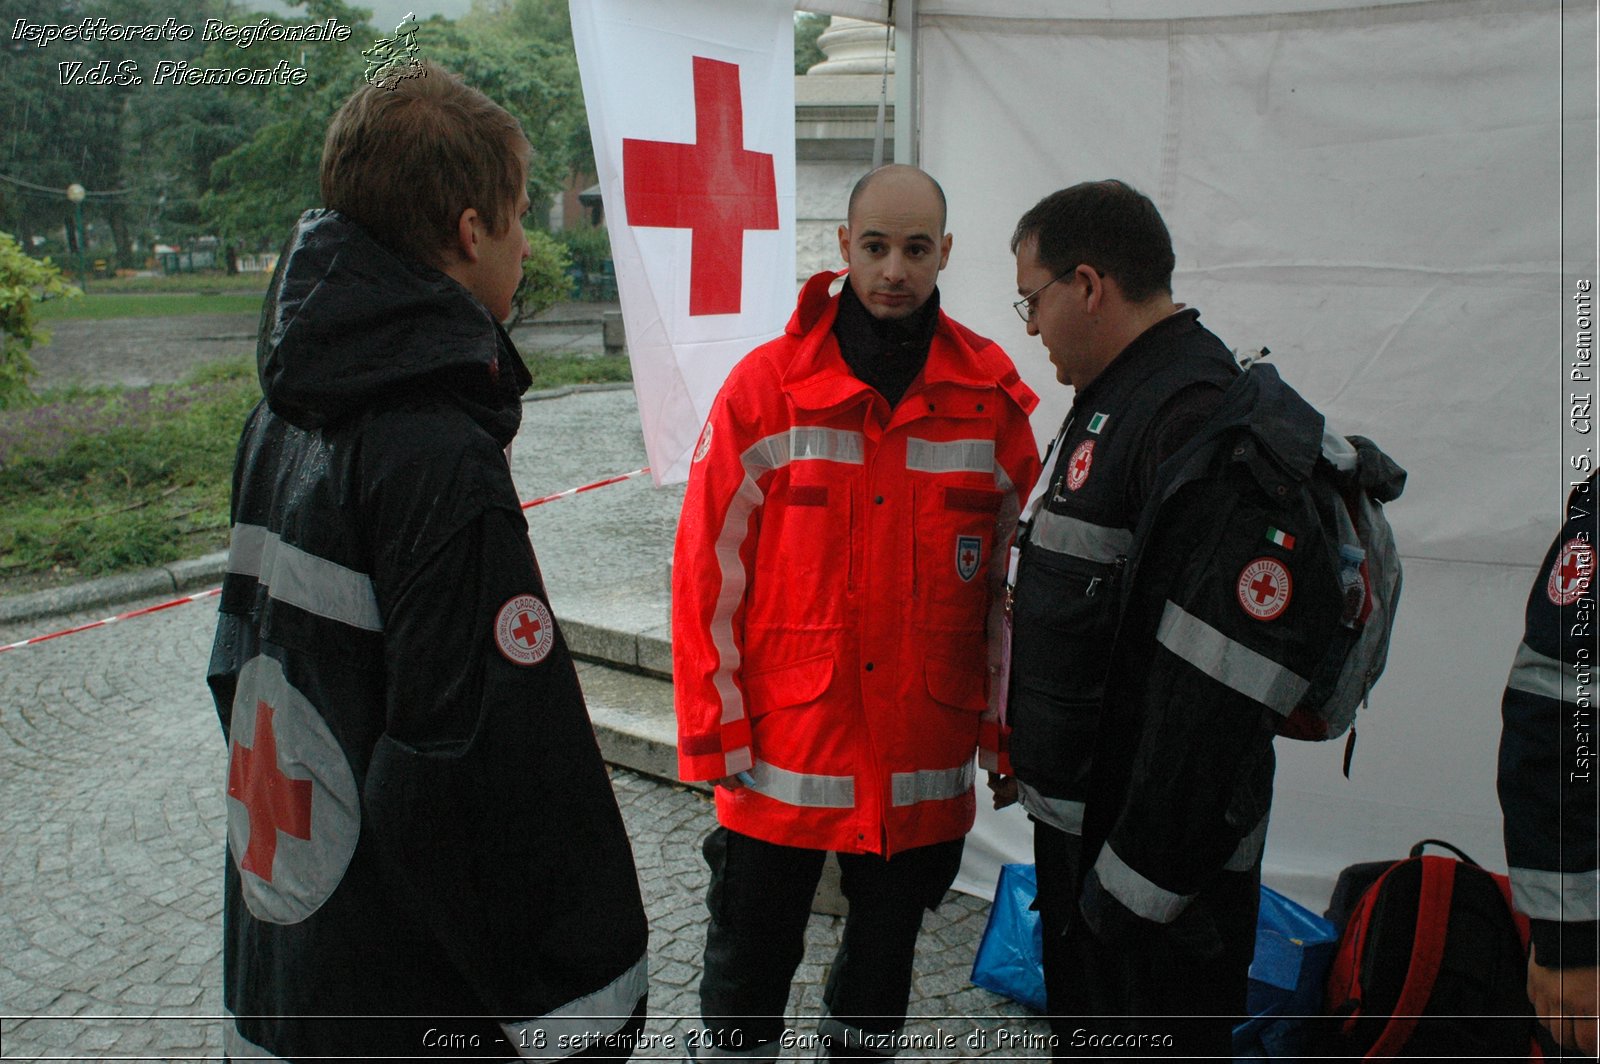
{"x": 836, "y": 111}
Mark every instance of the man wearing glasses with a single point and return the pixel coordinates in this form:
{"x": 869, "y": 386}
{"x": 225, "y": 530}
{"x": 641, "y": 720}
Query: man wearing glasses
{"x": 1148, "y": 777}
{"x": 836, "y": 588}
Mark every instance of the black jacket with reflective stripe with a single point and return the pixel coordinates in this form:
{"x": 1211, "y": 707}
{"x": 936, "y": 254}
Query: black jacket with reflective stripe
{"x": 1207, "y": 634}
{"x": 420, "y": 824}
{"x": 1076, "y": 548}
{"x": 1547, "y": 746}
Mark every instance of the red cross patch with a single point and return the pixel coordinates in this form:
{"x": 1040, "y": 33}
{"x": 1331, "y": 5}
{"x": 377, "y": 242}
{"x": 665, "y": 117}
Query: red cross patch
{"x": 1572, "y": 572}
{"x": 524, "y": 631}
{"x": 293, "y": 811}
{"x": 703, "y": 448}
{"x": 969, "y": 552}
{"x": 1078, "y": 465}
{"x": 1264, "y": 589}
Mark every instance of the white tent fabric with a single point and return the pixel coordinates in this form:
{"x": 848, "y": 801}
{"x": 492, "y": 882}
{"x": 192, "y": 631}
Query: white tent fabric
{"x": 1399, "y": 200}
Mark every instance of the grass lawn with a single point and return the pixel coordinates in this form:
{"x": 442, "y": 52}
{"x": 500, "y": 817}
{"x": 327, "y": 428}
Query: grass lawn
{"x": 205, "y": 282}
{"x": 97, "y": 305}
{"x": 97, "y": 481}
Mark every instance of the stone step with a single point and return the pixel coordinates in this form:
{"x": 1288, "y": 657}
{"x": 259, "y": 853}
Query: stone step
{"x": 633, "y": 719}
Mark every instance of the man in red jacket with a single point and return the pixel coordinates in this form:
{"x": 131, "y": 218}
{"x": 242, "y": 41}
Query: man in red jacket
{"x": 836, "y": 587}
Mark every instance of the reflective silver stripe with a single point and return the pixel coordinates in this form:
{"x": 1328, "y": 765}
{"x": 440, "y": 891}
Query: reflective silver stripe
{"x": 1570, "y": 897}
{"x": 799, "y": 788}
{"x": 735, "y": 525}
{"x": 237, "y": 1046}
{"x": 847, "y": 1036}
{"x": 1534, "y": 674}
{"x": 1068, "y": 535}
{"x": 765, "y": 455}
{"x": 762, "y": 457}
{"x": 930, "y": 784}
{"x": 1232, "y": 664}
{"x": 581, "y": 1023}
{"x": 1137, "y": 893}
{"x": 1249, "y": 849}
{"x": 829, "y": 445}
{"x": 949, "y": 456}
{"x": 301, "y": 579}
{"x": 1063, "y": 814}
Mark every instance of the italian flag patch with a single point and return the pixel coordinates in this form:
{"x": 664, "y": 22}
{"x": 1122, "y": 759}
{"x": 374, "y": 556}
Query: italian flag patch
{"x": 1098, "y": 422}
{"x": 1280, "y": 537}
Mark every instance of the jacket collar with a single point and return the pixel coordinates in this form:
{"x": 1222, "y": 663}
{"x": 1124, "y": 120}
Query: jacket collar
{"x": 817, "y": 377}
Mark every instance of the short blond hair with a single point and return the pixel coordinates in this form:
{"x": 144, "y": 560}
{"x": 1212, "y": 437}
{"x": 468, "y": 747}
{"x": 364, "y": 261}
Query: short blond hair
{"x": 404, "y": 161}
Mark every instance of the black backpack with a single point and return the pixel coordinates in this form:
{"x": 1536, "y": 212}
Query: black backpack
{"x": 1431, "y": 962}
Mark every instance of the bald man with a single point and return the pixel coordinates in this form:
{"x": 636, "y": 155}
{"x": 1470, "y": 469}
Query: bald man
{"x": 835, "y": 588}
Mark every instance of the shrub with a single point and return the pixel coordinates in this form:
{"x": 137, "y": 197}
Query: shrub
{"x": 589, "y": 248}
{"x": 23, "y": 281}
{"x": 544, "y": 278}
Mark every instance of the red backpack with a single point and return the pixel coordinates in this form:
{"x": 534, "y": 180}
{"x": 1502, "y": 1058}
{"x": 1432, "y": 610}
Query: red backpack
{"x": 1431, "y": 961}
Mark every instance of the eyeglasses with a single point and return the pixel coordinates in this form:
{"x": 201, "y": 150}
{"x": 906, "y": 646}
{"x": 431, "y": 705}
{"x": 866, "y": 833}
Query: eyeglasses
{"x": 1024, "y": 306}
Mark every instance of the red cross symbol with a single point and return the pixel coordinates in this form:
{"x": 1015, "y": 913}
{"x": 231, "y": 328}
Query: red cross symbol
{"x": 1263, "y": 588}
{"x": 1080, "y": 465}
{"x": 713, "y": 187}
{"x": 969, "y": 558}
{"x": 1572, "y": 570}
{"x": 275, "y": 801}
{"x": 527, "y": 629}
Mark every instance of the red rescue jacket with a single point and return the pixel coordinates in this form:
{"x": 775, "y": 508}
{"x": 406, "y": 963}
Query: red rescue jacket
{"x": 836, "y": 587}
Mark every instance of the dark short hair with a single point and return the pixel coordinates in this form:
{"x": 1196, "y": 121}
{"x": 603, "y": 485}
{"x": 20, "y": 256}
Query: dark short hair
{"x": 1108, "y": 225}
{"x": 404, "y": 161}
{"x": 871, "y": 175}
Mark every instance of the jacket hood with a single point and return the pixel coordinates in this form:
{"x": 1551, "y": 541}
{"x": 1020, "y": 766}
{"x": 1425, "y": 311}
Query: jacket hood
{"x": 347, "y": 323}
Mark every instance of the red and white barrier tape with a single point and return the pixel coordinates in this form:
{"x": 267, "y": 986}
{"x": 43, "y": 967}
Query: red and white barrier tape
{"x": 587, "y": 487}
{"x": 197, "y": 596}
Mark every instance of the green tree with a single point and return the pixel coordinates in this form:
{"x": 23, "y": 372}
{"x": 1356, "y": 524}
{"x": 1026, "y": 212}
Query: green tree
{"x": 808, "y": 26}
{"x": 23, "y": 282}
{"x": 257, "y": 190}
{"x": 140, "y": 149}
{"x": 549, "y": 23}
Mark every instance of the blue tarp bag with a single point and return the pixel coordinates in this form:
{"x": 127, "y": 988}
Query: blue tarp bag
{"x": 1010, "y": 958}
{"x": 1294, "y": 947}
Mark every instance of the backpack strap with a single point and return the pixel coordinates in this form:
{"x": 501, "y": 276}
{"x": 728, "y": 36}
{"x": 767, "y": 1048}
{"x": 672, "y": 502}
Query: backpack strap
{"x": 1416, "y": 851}
{"x": 1427, "y": 951}
{"x": 1344, "y": 991}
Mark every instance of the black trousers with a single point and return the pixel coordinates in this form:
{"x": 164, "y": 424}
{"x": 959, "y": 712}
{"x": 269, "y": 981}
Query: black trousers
{"x": 1162, "y": 993}
{"x": 760, "y": 901}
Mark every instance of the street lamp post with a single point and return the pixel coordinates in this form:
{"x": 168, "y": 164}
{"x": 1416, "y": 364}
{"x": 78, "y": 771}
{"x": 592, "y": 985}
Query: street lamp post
{"x": 76, "y": 193}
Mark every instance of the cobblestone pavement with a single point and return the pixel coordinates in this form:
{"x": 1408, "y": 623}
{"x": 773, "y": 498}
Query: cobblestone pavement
{"x": 112, "y": 834}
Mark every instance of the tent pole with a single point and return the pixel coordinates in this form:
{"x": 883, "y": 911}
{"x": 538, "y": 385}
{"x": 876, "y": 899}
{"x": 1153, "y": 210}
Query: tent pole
{"x": 903, "y": 13}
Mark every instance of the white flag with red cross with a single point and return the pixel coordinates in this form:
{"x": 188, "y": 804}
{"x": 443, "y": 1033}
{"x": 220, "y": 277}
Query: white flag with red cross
{"x": 691, "y": 112}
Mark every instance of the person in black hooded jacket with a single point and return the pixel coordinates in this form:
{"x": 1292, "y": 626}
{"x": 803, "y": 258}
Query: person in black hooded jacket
{"x": 425, "y": 856}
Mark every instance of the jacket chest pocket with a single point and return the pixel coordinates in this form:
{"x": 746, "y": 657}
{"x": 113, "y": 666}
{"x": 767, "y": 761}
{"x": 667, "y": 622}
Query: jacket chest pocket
{"x": 1063, "y": 612}
{"x": 953, "y": 546}
{"x": 808, "y": 545}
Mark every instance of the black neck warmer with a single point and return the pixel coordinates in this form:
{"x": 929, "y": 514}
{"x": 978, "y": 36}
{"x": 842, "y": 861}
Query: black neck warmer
{"x": 888, "y": 355}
